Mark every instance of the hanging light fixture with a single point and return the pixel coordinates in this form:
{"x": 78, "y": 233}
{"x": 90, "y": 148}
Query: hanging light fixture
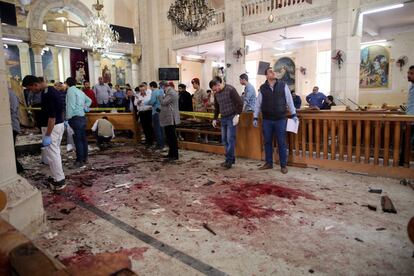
{"x": 98, "y": 34}
{"x": 190, "y": 16}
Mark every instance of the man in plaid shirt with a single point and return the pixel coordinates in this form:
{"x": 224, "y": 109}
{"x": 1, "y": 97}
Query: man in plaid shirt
{"x": 228, "y": 103}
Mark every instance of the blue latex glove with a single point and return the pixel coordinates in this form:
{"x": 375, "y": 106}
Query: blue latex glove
{"x": 255, "y": 123}
{"x": 47, "y": 141}
{"x": 86, "y": 109}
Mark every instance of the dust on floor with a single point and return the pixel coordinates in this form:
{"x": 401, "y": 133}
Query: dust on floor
{"x": 193, "y": 215}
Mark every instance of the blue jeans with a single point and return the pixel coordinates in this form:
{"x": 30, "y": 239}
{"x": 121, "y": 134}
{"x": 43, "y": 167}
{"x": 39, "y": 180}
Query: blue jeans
{"x": 228, "y": 137}
{"x": 270, "y": 129}
{"x": 159, "y": 133}
{"x": 78, "y": 124}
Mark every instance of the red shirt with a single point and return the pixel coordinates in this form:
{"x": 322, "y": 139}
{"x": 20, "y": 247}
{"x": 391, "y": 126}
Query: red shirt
{"x": 89, "y": 92}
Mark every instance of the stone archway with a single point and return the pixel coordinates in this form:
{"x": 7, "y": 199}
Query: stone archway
{"x": 41, "y": 7}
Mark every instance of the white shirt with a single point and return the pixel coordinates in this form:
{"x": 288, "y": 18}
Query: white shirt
{"x": 140, "y": 100}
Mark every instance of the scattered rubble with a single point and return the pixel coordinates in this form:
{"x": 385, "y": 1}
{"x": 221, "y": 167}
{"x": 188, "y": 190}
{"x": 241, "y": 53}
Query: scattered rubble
{"x": 387, "y": 205}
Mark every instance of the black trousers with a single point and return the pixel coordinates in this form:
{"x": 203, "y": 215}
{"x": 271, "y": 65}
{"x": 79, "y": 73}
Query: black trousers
{"x": 145, "y": 118}
{"x": 19, "y": 166}
{"x": 171, "y": 138}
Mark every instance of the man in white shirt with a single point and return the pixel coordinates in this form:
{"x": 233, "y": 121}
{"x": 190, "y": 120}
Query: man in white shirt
{"x": 104, "y": 132}
{"x": 145, "y": 113}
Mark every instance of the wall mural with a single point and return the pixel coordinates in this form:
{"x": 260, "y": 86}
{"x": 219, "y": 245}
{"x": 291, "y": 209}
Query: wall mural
{"x": 106, "y": 66}
{"x": 120, "y": 66}
{"x": 285, "y": 70}
{"x": 374, "y": 68}
{"x": 113, "y": 70}
{"x": 79, "y": 65}
{"x": 48, "y": 65}
{"x": 12, "y": 58}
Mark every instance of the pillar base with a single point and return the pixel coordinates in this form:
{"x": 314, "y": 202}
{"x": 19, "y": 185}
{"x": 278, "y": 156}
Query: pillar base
{"x": 24, "y": 208}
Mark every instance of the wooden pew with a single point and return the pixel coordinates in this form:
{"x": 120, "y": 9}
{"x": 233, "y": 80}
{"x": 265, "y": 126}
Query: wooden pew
{"x": 121, "y": 121}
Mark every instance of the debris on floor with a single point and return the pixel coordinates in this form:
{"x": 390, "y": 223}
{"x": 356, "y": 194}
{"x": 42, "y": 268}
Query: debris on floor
{"x": 387, "y": 205}
{"x": 267, "y": 222}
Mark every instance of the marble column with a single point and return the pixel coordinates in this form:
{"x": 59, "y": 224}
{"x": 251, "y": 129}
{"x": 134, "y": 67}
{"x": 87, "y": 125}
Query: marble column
{"x": 346, "y": 36}
{"x": 38, "y": 64}
{"x": 24, "y": 59}
{"x": 55, "y": 54}
{"x": 128, "y": 73}
{"x": 234, "y": 41}
{"x": 135, "y": 71}
{"x": 91, "y": 68}
{"x": 24, "y": 208}
{"x": 96, "y": 67}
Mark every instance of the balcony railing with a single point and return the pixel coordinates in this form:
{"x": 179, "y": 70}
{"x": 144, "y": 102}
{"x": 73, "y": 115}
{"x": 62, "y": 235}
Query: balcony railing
{"x": 265, "y": 6}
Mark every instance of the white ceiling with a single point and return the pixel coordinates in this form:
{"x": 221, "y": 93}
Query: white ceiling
{"x": 393, "y": 18}
{"x": 374, "y": 25}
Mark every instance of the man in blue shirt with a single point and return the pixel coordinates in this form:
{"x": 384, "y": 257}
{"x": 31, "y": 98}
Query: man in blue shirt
{"x": 52, "y": 127}
{"x": 316, "y": 98}
{"x": 410, "y": 102}
{"x": 118, "y": 96}
{"x": 156, "y": 109}
{"x": 76, "y": 104}
{"x": 249, "y": 99}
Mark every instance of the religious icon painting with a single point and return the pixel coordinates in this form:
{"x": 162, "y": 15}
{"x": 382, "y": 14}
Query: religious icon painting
{"x": 374, "y": 68}
{"x": 285, "y": 70}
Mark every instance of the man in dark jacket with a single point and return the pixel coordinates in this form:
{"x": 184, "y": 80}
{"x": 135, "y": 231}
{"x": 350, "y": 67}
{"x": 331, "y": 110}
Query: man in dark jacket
{"x": 129, "y": 102}
{"x": 228, "y": 103}
{"x": 273, "y": 98}
{"x": 185, "y": 100}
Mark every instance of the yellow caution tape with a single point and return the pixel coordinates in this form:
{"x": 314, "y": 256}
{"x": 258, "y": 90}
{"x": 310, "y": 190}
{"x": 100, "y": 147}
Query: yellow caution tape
{"x": 204, "y": 115}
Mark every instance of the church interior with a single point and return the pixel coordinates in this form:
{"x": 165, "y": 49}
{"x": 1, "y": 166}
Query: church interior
{"x": 206, "y": 137}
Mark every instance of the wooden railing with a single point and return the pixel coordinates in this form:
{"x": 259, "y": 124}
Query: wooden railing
{"x": 355, "y": 141}
{"x": 265, "y": 6}
{"x": 360, "y": 142}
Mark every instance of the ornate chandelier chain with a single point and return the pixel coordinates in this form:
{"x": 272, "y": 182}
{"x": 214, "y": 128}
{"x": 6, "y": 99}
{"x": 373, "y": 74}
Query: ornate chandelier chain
{"x": 190, "y": 16}
{"x": 98, "y": 34}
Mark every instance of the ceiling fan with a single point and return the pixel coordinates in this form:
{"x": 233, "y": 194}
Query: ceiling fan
{"x": 286, "y": 37}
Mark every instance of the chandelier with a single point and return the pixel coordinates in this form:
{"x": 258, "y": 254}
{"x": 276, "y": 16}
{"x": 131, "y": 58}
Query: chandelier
{"x": 98, "y": 34}
{"x": 190, "y": 16}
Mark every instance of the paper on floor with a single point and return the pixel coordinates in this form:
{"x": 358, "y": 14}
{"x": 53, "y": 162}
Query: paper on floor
{"x": 292, "y": 126}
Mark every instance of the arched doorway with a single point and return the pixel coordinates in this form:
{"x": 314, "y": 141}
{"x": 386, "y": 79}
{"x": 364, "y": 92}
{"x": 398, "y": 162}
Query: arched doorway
{"x": 41, "y": 8}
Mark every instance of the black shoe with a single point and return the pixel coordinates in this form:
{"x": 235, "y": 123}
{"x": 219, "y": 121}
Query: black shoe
{"x": 170, "y": 159}
{"x": 228, "y": 165}
{"x": 57, "y": 186}
{"x": 224, "y": 164}
{"x": 78, "y": 165}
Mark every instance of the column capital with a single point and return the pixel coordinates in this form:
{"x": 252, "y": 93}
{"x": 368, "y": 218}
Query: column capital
{"x": 37, "y": 49}
{"x": 136, "y": 53}
{"x": 96, "y": 56}
{"x": 23, "y": 46}
{"x": 38, "y": 37}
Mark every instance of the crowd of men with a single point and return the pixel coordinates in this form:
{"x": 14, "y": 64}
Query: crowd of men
{"x": 63, "y": 106}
